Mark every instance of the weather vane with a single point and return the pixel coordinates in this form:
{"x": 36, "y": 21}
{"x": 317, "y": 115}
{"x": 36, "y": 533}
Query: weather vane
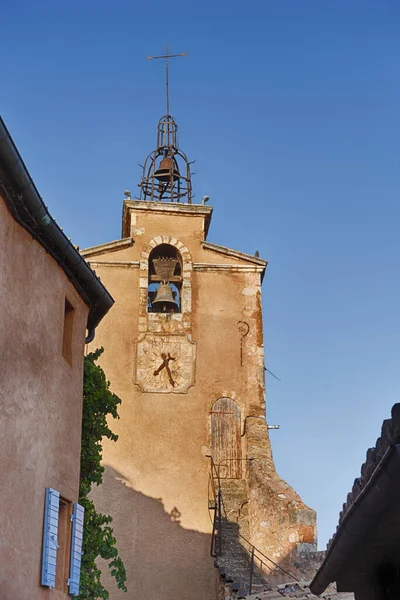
{"x": 167, "y": 56}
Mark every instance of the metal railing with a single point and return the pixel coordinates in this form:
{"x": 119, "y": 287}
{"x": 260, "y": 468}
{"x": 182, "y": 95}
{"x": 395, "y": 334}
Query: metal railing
{"x": 257, "y": 559}
{"x": 261, "y": 561}
{"x": 216, "y": 504}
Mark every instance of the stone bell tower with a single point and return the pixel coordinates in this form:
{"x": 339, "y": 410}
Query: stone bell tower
{"x": 191, "y": 482}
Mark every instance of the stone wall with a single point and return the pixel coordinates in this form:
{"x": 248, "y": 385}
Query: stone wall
{"x": 281, "y": 525}
{"x": 264, "y": 512}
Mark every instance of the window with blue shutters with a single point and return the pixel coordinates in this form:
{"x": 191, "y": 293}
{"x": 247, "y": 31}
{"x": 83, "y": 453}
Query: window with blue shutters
{"x": 50, "y": 541}
{"x": 76, "y": 549}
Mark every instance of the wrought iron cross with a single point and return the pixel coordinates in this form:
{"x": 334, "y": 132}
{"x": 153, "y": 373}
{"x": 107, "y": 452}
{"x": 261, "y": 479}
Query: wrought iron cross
{"x": 167, "y": 56}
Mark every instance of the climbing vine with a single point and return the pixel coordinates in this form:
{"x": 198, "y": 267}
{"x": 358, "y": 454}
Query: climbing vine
{"x": 98, "y": 538}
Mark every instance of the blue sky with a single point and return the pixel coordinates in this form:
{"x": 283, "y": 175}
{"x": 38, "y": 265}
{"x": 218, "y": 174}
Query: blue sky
{"x": 290, "y": 108}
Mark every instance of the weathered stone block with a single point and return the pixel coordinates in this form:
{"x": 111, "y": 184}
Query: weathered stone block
{"x": 304, "y": 548}
{"x": 305, "y": 517}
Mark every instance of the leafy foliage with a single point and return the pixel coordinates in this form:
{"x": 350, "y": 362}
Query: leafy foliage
{"x": 98, "y": 539}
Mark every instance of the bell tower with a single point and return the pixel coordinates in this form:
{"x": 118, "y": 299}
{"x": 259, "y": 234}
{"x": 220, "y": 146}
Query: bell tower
{"x": 191, "y": 483}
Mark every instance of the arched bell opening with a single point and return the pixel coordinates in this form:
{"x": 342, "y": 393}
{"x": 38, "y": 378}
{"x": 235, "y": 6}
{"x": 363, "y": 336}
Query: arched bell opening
{"x": 165, "y": 280}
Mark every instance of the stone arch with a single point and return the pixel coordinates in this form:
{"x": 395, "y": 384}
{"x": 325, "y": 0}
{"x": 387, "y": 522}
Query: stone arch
{"x": 226, "y": 444}
{"x": 186, "y": 291}
{"x": 171, "y": 258}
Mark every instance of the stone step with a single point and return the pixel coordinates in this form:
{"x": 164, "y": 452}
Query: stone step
{"x": 234, "y": 564}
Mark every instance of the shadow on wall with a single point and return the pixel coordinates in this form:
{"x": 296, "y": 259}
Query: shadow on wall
{"x": 162, "y": 559}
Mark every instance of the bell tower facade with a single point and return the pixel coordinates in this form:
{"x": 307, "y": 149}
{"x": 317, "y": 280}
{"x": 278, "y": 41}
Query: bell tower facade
{"x": 184, "y": 351}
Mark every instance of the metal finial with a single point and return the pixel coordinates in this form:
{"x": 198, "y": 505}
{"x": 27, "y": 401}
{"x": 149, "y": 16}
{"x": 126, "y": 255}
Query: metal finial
{"x": 167, "y": 56}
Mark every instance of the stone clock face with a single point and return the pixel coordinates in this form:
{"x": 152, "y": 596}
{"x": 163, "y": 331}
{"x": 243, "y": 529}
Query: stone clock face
{"x": 165, "y": 363}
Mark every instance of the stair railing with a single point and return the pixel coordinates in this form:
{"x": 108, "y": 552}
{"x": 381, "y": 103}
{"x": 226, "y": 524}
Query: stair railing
{"x": 261, "y": 561}
{"x": 217, "y": 507}
{"x": 258, "y": 559}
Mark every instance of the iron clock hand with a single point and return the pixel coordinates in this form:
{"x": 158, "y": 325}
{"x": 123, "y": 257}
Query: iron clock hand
{"x": 163, "y": 364}
{"x": 172, "y": 382}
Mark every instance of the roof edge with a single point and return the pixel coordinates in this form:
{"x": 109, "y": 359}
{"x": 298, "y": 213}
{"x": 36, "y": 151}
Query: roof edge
{"x": 107, "y": 247}
{"x": 29, "y": 210}
{"x": 255, "y": 260}
{"x": 386, "y": 474}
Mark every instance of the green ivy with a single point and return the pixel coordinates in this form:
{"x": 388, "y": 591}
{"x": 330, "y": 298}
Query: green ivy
{"x": 98, "y": 539}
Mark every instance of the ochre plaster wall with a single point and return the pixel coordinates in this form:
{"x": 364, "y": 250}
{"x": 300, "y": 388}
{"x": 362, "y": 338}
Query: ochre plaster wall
{"x": 156, "y": 483}
{"x": 40, "y": 403}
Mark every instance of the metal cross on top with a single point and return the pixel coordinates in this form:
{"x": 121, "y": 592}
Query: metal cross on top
{"x": 167, "y": 56}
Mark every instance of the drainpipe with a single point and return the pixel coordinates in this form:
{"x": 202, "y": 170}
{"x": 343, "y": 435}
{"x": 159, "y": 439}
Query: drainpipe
{"x": 90, "y": 336}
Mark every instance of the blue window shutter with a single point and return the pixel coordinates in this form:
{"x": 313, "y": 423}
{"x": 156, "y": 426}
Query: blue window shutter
{"x": 76, "y": 549}
{"x": 50, "y": 543}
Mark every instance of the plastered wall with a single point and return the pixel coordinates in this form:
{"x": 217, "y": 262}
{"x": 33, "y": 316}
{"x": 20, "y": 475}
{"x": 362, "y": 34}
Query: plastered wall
{"x": 157, "y": 474}
{"x": 40, "y": 403}
{"x": 159, "y": 461}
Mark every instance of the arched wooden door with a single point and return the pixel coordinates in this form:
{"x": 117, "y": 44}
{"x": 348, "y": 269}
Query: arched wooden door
{"x": 225, "y": 438}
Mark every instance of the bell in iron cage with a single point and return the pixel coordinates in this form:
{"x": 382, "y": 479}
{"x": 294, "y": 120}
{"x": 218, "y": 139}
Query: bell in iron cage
{"x": 164, "y": 300}
{"x": 167, "y": 170}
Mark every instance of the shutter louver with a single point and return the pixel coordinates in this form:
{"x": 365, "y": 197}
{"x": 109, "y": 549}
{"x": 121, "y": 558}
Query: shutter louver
{"x": 50, "y": 543}
{"x": 76, "y": 549}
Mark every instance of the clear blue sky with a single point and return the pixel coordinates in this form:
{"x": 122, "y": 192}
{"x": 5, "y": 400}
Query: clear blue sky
{"x": 291, "y": 110}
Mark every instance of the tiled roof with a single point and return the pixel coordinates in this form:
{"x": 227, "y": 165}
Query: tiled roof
{"x": 351, "y": 553}
{"x": 390, "y": 434}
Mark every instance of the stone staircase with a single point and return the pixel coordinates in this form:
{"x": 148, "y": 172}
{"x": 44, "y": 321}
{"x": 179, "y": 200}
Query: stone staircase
{"x": 298, "y": 590}
{"x": 234, "y": 564}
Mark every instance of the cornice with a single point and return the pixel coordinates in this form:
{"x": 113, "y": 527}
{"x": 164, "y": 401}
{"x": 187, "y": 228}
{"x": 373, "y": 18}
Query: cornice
{"x": 170, "y": 208}
{"x": 107, "y": 247}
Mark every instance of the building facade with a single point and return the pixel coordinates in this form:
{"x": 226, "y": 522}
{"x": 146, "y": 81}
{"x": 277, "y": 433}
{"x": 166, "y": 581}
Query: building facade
{"x": 49, "y": 297}
{"x": 191, "y": 483}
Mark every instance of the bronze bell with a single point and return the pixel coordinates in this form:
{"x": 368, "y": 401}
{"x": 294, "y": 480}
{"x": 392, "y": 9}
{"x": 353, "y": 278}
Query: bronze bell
{"x": 164, "y": 300}
{"x": 166, "y": 170}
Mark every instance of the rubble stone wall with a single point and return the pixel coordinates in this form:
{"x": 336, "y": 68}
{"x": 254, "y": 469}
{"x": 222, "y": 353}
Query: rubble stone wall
{"x": 281, "y": 525}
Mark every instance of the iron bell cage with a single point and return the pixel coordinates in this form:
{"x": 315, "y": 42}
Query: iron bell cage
{"x": 166, "y": 171}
